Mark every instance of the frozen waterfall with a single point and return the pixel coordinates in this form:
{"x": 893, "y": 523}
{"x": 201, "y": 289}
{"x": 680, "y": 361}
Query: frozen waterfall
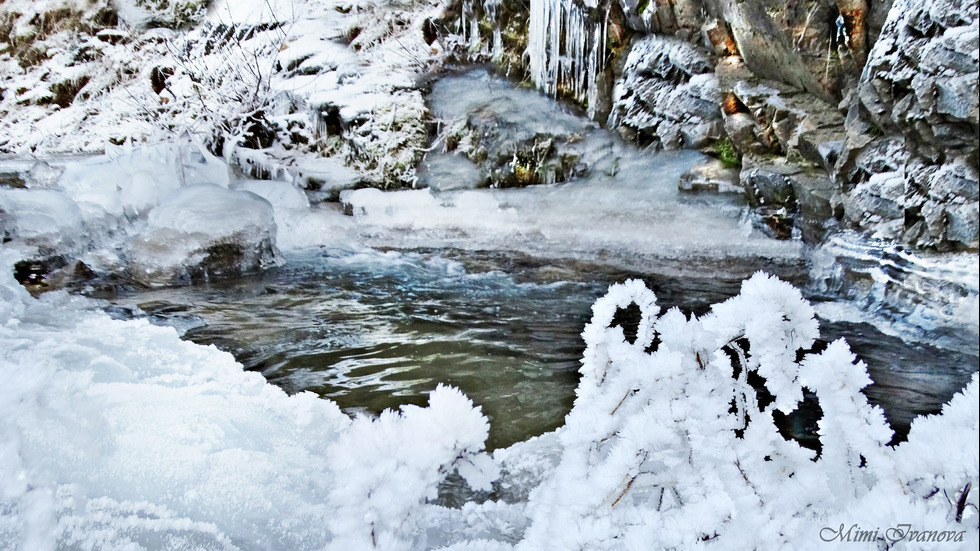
{"x": 566, "y": 46}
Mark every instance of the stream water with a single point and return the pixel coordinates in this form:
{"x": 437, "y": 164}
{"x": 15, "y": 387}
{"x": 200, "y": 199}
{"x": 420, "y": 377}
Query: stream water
{"x": 374, "y": 330}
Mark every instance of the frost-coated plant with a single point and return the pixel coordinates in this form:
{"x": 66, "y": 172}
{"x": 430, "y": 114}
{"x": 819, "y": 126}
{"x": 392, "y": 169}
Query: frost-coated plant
{"x": 673, "y": 440}
{"x": 377, "y": 463}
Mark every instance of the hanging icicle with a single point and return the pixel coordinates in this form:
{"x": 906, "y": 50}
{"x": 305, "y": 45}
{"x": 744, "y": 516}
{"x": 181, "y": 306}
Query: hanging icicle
{"x": 566, "y": 47}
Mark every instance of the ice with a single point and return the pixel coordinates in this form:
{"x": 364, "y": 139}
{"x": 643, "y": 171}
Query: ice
{"x": 118, "y": 435}
{"x": 130, "y": 181}
{"x": 40, "y": 218}
{"x": 567, "y": 48}
{"x": 915, "y": 294}
{"x": 204, "y": 230}
{"x": 449, "y": 172}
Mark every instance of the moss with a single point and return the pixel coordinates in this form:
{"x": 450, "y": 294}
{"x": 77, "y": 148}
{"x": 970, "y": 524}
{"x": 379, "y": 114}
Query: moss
{"x": 727, "y": 153}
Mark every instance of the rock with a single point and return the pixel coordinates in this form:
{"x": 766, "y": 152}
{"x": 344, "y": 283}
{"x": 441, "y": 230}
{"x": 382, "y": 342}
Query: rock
{"x": 516, "y": 137}
{"x": 963, "y": 223}
{"x": 663, "y": 17}
{"x": 42, "y": 218}
{"x": 785, "y": 192}
{"x": 820, "y": 207}
{"x": 821, "y": 147}
{"x": 667, "y": 95}
{"x": 878, "y": 203}
{"x": 766, "y": 49}
{"x": 716, "y": 34}
{"x": 203, "y": 231}
{"x": 711, "y": 176}
{"x": 744, "y": 132}
{"x": 919, "y": 94}
{"x": 788, "y": 114}
{"x": 768, "y": 181}
{"x": 325, "y": 178}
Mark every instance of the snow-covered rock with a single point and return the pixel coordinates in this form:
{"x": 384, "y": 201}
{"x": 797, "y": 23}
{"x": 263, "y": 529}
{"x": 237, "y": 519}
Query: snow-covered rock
{"x": 161, "y": 13}
{"x": 204, "y": 230}
{"x": 517, "y": 137}
{"x": 42, "y": 218}
{"x": 915, "y": 115}
{"x": 668, "y": 95}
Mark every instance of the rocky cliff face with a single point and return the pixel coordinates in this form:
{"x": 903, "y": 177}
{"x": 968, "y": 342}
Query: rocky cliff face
{"x": 909, "y": 170}
{"x": 851, "y": 113}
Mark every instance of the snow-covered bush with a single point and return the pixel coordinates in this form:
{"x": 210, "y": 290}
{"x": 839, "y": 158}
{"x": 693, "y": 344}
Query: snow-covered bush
{"x": 174, "y": 14}
{"x": 674, "y": 440}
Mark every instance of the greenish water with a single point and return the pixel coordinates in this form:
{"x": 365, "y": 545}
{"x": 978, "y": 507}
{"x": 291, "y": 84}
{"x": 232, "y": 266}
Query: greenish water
{"x": 374, "y": 330}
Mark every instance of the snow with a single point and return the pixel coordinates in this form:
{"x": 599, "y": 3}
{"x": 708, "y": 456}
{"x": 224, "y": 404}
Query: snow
{"x": 204, "y": 227}
{"x": 117, "y": 434}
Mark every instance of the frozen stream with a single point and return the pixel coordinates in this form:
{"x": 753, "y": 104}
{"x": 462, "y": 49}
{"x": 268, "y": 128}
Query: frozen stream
{"x": 489, "y": 289}
{"x": 375, "y": 302}
{"x": 375, "y": 330}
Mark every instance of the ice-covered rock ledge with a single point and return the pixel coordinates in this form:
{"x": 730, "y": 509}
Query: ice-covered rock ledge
{"x": 153, "y": 215}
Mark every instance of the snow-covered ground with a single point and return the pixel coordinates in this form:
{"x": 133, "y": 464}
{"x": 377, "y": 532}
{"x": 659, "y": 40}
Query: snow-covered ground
{"x": 254, "y": 80}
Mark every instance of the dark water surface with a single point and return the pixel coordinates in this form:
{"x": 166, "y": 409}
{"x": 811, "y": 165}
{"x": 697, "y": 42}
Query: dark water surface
{"x": 374, "y": 330}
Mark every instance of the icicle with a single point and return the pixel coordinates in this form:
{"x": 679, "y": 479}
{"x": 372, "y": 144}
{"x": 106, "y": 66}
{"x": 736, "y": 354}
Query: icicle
{"x": 490, "y": 8}
{"x": 567, "y": 49}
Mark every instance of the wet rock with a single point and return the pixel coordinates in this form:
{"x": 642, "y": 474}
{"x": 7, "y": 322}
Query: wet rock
{"x": 204, "y": 231}
{"x": 712, "y": 176}
{"x": 803, "y": 193}
{"x": 668, "y": 95}
{"x": 768, "y": 181}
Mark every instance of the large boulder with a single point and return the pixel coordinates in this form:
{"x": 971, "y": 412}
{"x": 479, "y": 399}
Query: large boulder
{"x": 912, "y": 146}
{"x": 667, "y": 95}
{"x": 203, "y": 231}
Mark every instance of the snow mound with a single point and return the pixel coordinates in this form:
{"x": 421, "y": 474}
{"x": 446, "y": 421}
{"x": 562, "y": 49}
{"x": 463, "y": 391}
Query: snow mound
{"x": 118, "y": 435}
{"x": 41, "y": 218}
{"x": 204, "y": 230}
